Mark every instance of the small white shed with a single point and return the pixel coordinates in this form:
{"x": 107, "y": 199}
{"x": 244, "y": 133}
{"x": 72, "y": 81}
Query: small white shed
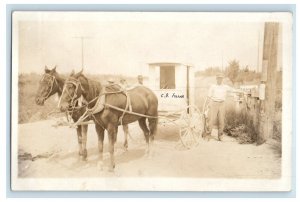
{"x": 173, "y": 83}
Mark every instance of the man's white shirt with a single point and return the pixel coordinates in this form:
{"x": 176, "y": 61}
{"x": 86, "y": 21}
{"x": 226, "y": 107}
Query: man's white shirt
{"x": 218, "y": 93}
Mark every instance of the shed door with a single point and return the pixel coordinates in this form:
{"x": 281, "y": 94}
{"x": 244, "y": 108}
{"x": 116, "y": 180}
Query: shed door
{"x": 167, "y": 77}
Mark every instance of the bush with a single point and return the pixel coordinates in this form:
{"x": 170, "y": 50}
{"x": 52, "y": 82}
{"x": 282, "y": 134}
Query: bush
{"x": 277, "y": 130}
{"x": 239, "y": 124}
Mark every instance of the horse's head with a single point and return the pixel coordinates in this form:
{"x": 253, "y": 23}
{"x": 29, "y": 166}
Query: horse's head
{"x": 47, "y": 86}
{"x": 72, "y": 91}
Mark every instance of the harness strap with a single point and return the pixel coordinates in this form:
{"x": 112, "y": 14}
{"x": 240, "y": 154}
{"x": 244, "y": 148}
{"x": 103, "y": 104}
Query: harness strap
{"x": 99, "y": 106}
{"x": 51, "y": 83}
{"x": 128, "y": 105}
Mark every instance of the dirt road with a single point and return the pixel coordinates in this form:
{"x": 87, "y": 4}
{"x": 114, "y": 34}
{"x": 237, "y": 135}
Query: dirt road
{"x": 45, "y": 151}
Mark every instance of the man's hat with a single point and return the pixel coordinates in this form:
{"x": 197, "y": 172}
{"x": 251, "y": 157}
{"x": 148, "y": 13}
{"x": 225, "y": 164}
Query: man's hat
{"x": 220, "y": 75}
{"x": 111, "y": 80}
{"x": 140, "y": 76}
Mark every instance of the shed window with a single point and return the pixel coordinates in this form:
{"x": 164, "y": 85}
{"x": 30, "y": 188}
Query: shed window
{"x": 167, "y": 77}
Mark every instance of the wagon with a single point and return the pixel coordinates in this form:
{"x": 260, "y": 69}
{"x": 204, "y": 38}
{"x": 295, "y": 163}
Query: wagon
{"x": 174, "y": 85}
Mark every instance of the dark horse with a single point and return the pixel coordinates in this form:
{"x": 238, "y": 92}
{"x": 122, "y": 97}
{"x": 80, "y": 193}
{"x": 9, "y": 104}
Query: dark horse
{"x": 143, "y": 101}
{"x": 50, "y": 84}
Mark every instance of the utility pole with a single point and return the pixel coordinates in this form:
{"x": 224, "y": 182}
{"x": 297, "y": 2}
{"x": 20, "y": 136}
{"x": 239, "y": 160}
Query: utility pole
{"x": 82, "y": 38}
{"x": 269, "y": 68}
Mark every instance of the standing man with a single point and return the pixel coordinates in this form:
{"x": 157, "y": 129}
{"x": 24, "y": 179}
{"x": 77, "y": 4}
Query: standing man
{"x": 123, "y": 83}
{"x": 140, "y": 80}
{"x": 216, "y": 98}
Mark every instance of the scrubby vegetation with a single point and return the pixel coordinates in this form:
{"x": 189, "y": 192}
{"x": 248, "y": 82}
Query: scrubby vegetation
{"x": 239, "y": 124}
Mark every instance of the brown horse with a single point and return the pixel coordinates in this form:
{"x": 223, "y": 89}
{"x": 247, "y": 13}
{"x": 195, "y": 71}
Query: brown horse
{"x": 143, "y": 101}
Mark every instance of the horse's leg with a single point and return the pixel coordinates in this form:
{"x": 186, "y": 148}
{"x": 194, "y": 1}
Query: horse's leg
{"x": 115, "y": 137}
{"x": 79, "y": 136}
{"x": 84, "y": 129}
{"x": 143, "y": 126}
{"x": 100, "y": 133}
{"x": 112, "y": 133}
{"x": 152, "y": 128}
{"x": 126, "y": 132}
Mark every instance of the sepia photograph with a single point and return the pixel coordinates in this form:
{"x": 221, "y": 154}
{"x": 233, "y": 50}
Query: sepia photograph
{"x": 151, "y": 101}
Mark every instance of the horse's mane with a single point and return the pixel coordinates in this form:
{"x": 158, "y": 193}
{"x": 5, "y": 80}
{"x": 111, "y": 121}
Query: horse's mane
{"x": 91, "y": 87}
{"x": 59, "y": 77}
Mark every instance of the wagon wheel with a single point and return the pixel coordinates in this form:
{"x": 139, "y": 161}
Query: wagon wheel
{"x": 192, "y": 127}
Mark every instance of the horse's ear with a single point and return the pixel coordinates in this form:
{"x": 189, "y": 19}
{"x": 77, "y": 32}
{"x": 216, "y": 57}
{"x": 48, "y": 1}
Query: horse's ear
{"x": 72, "y": 73}
{"x": 46, "y": 69}
{"x": 78, "y": 74}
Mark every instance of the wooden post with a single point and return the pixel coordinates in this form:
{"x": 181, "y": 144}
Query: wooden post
{"x": 267, "y": 106}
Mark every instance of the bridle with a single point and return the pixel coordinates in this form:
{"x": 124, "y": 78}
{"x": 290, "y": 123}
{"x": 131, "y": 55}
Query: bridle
{"x": 51, "y": 83}
{"x": 75, "y": 97}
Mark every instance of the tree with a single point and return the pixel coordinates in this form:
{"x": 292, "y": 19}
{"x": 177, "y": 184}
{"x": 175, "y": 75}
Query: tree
{"x": 212, "y": 71}
{"x": 232, "y": 70}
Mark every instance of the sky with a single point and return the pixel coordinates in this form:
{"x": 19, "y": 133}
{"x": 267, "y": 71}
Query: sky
{"x": 125, "y": 44}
